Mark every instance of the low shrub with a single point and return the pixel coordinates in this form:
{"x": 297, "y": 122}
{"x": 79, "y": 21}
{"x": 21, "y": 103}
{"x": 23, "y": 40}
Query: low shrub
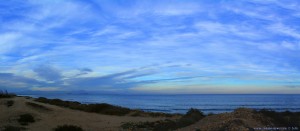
{"x": 106, "y": 109}
{"x": 210, "y": 114}
{"x": 192, "y": 116}
{"x": 5, "y": 94}
{"x": 68, "y": 128}
{"x": 102, "y": 108}
{"x": 160, "y": 114}
{"x": 25, "y": 119}
{"x": 13, "y": 128}
{"x": 137, "y": 112}
{"x": 10, "y": 103}
{"x": 37, "y": 106}
{"x": 287, "y": 118}
{"x": 96, "y": 108}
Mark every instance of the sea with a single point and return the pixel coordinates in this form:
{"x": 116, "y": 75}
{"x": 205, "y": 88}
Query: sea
{"x": 207, "y": 103}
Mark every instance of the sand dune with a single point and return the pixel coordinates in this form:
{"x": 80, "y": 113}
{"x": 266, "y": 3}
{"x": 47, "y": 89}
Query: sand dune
{"x": 240, "y": 120}
{"x": 47, "y": 120}
{"x": 47, "y": 117}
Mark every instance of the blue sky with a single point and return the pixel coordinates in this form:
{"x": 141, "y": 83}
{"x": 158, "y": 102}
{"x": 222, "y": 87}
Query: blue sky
{"x": 150, "y": 46}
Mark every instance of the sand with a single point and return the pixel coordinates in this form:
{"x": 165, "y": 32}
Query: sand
{"x": 48, "y": 120}
{"x": 242, "y": 119}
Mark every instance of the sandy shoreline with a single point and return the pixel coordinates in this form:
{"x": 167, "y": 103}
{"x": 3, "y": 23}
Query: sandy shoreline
{"x": 48, "y": 117}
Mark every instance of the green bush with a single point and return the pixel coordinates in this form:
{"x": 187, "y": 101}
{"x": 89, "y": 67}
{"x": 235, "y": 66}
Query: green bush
{"x": 68, "y": 128}
{"x": 25, "y": 119}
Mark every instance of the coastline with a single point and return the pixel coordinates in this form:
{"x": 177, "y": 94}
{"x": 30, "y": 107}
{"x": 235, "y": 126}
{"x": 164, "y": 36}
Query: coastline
{"x": 49, "y": 113}
{"x": 207, "y": 103}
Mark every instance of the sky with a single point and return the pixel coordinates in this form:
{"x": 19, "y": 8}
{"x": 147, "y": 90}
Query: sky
{"x": 151, "y": 46}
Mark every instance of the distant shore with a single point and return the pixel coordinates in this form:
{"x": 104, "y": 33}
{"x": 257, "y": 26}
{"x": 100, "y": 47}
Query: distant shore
{"x": 51, "y": 114}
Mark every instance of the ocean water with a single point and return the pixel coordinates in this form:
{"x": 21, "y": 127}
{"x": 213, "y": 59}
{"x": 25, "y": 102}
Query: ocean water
{"x": 207, "y": 103}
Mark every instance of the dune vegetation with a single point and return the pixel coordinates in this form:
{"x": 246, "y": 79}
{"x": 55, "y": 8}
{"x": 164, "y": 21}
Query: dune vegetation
{"x": 5, "y": 94}
{"x": 25, "y": 113}
{"x": 102, "y": 108}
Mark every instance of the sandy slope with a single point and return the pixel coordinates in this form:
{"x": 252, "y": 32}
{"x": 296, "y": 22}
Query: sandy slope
{"x": 239, "y": 120}
{"x": 47, "y": 120}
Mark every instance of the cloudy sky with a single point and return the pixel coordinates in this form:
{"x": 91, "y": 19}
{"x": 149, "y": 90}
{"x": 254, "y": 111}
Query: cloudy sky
{"x": 150, "y": 46}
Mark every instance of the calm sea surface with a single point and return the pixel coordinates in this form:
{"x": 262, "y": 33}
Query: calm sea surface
{"x": 181, "y": 103}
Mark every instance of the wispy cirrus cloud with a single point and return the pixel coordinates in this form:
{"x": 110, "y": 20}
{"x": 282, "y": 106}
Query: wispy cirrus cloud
{"x": 147, "y": 44}
{"x": 285, "y": 30}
